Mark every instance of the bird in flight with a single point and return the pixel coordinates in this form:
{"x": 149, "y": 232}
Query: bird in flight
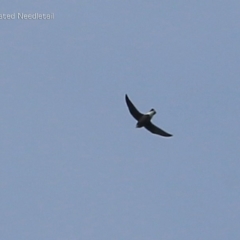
{"x": 144, "y": 120}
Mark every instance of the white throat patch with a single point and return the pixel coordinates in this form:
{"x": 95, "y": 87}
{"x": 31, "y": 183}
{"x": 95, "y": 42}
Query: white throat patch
{"x": 150, "y": 113}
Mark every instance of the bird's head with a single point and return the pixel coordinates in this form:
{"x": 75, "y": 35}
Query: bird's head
{"x": 151, "y": 112}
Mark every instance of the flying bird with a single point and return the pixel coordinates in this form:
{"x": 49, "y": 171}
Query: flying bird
{"x": 144, "y": 120}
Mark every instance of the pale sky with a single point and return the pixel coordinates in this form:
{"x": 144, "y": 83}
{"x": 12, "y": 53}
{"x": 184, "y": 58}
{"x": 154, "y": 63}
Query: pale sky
{"x": 73, "y": 165}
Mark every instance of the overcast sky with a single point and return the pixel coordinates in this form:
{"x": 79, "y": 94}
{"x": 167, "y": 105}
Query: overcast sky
{"x": 73, "y": 165}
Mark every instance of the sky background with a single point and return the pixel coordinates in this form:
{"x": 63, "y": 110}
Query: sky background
{"x": 72, "y": 164}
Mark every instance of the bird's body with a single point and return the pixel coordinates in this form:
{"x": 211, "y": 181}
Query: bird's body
{"x": 144, "y": 120}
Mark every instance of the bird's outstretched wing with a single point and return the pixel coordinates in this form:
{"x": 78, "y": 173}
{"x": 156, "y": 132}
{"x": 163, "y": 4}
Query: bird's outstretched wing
{"x": 132, "y": 109}
{"x": 156, "y": 130}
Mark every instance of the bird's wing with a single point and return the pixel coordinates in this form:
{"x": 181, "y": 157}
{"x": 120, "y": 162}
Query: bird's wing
{"x": 154, "y": 129}
{"x": 132, "y": 109}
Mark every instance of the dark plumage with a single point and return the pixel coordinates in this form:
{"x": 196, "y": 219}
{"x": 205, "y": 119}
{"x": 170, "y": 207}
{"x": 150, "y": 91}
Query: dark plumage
{"x": 144, "y": 120}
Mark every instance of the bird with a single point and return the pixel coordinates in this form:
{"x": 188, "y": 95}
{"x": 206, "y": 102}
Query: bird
{"x": 144, "y": 120}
